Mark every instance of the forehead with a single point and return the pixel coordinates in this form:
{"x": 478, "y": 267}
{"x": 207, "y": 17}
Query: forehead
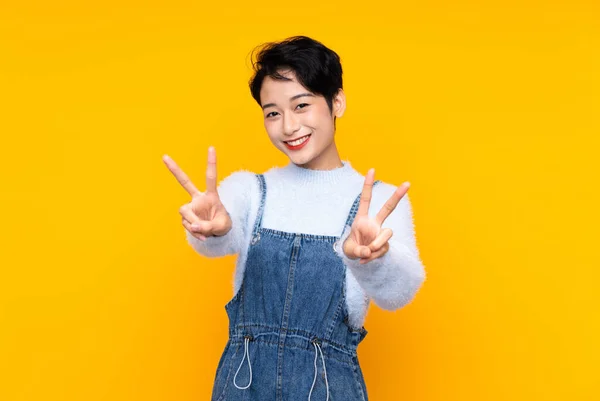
{"x": 280, "y": 90}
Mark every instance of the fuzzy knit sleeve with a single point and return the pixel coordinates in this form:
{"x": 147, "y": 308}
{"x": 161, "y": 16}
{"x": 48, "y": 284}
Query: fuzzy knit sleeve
{"x": 392, "y": 280}
{"x": 235, "y": 193}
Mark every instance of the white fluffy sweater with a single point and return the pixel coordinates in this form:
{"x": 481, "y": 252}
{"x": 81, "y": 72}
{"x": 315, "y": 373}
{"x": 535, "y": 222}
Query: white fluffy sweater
{"x": 308, "y": 201}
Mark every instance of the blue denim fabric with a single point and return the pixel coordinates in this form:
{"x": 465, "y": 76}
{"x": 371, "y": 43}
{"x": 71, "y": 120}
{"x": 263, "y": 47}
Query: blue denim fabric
{"x": 289, "y": 316}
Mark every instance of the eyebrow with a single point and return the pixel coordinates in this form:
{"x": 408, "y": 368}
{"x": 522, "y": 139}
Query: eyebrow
{"x": 292, "y": 98}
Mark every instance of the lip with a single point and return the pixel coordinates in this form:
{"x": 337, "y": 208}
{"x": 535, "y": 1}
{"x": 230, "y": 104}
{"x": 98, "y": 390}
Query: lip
{"x": 287, "y": 145}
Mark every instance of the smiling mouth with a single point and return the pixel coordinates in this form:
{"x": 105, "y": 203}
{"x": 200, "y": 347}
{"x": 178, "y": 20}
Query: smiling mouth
{"x": 298, "y": 141}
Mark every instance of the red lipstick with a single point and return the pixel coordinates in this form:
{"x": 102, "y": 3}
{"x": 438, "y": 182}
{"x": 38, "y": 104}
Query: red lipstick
{"x": 301, "y": 145}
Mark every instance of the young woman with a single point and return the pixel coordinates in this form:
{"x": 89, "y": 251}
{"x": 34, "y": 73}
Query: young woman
{"x": 314, "y": 240}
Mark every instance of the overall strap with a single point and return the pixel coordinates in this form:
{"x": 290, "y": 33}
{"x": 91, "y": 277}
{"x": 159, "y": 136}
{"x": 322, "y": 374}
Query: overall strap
{"x": 263, "y": 195}
{"x": 354, "y": 209}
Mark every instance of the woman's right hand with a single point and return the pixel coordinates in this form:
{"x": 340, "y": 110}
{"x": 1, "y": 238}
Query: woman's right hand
{"x": 205, "y": 215}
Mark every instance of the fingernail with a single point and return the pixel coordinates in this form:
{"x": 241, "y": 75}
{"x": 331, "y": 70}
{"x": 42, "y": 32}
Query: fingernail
{"x": 195, "y": 226}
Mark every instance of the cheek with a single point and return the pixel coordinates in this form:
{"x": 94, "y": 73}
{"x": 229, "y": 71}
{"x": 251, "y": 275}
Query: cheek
{"x": 321, "y": 117}
{"x": 322, "y": 123}
{"x": 269, "y": 127}
{"x": 315, "y": 117}
{"x": 271, "y": 131}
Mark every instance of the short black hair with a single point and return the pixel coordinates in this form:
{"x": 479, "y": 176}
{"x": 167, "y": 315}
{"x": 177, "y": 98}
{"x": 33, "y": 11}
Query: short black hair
{"x": 316, "y": 67}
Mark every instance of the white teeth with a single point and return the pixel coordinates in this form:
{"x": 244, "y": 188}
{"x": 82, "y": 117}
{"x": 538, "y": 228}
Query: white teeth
{"x": 299, "y": 141}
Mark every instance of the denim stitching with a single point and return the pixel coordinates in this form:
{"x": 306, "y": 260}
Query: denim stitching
{"x": 222, "y": 396}
{"x": 307, "y": 335}
{"x": 263, "y": 193}
{"x": 341, "y": 353}
{"x": 275, "y": 344}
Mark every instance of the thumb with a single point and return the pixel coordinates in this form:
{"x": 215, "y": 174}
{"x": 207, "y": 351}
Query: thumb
{"x": 222, "y": 223}
{"x": 355, "y": 251}
{"x": 362, "y": 251}
{"x": 204, "y": 227}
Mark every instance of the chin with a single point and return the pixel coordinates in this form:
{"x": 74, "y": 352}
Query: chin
{"x": 299, "y": 160}
{"x": 303, "y": 161}
{"x": 305, "y": 155}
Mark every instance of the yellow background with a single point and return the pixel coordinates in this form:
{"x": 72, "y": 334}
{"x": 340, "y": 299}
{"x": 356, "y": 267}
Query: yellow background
{"x": 489, "y": 109}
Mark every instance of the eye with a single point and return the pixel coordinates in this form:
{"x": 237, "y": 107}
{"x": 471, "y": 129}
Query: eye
{"x": 274, "y": 113}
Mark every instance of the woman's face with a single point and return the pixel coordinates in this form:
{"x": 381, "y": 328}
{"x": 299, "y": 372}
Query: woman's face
{"x": 299, "y": 123}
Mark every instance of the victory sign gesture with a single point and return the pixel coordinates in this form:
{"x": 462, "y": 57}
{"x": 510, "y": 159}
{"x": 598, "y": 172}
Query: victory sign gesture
{"x": 367, "y": 240}
{"x": 205, "y": 215}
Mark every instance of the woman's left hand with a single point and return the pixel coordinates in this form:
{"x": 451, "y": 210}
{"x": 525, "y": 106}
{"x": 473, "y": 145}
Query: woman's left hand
{"x": 367, "y": 240}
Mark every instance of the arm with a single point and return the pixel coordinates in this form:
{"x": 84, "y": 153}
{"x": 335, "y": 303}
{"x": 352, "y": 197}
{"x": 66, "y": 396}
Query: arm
{"x": 234, "y": 192}
{"x": 393, "y": 279}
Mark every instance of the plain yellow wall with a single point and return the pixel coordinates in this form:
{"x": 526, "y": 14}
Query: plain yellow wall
{"x": 489, "y": 109}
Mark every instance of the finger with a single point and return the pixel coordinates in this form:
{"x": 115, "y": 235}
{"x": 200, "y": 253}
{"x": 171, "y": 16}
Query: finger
{"x": 198, "y": 226}
{"x": 379, "y": 253}
{"x": 204, "y": 228}
{"x": 382, "y": 238}
{"x": 188, "y": 227}
{"x": 365, "y": 197}
{"x": 362, "y": 251}
{"x": 391, "y": 203}
{"x": 211, "y": 170}
{"x": 182, "y": 177}
{"x": 189, "y": 215}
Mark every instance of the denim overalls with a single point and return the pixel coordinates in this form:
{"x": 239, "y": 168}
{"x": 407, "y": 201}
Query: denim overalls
{"x": 289, "y": 337}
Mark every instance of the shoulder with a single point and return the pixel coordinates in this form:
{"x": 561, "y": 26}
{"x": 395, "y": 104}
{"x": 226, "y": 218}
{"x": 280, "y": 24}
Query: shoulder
{"x": 239, "y": 184}
{"x": 242, "y": 178}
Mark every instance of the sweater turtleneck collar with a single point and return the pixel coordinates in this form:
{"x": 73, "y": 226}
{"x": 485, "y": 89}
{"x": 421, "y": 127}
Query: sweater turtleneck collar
{"x": 304, "y": 176}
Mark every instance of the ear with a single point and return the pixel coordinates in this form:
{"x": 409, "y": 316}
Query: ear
{"x": 339, "y": 103}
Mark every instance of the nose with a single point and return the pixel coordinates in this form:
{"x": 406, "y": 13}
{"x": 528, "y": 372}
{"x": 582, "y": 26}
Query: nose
{"x": 291, "y": 124}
